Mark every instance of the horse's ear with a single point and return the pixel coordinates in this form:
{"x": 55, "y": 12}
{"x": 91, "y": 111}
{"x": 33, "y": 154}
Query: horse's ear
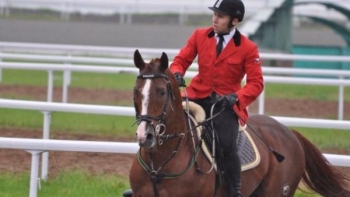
{"x": 138, "y": 61}
{"x": 164, "y": 61}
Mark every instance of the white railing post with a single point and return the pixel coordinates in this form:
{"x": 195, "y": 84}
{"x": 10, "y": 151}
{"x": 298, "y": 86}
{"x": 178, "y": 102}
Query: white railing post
{"x": 121, "y": 15}
{"x": 261, "y": 102}
{"x": 66, "y": 80}
{"x": 65, "y": 85}
{"x": 182, "y": 15}
{"x": 46, "y": 126}
{"x": 7, "y": 9}
{"x": 50, "y": 86}
{"x": 0, "y": 68}
{"x": 129, "y": 18}
{"x": 2, "y": 8}
{"x": 65, "y": 10}
{"x": 34, "y": 173}
{"x": 341, "y": 101}
{"x": 45, "y": 156}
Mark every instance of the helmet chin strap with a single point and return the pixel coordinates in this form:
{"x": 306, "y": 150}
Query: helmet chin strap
{"x": 229, "y": 27}
{"x": 230, "y": 24}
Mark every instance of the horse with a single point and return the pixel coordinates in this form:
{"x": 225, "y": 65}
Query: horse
{"x": 171, "y": 162}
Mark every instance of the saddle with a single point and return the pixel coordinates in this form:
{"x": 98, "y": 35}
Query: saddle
{"x": 247, "y": 150}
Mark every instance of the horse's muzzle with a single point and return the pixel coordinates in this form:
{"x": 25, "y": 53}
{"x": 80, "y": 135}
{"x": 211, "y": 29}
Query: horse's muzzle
{"x": 148, "y": 142}
{"x": 146, "y": 135}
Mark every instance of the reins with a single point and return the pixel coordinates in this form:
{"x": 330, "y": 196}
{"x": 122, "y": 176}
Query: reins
{"x": 155, "y": 175}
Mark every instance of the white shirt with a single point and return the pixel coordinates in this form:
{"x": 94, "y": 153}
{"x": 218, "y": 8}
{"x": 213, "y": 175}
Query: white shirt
{"x": 227, "y": 37}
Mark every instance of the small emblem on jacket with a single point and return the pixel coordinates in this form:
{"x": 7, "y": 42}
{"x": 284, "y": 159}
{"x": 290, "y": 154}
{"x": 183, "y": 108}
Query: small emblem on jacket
{"x": 257, "y": 60}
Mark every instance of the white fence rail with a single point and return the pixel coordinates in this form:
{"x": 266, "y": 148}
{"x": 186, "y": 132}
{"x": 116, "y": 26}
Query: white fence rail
{"x": 153, "y": 6}
{"x": 37, "y": 147}
{"x": 126, "y": 8}
{"x": 129, "y": 111}
{"x": 70, "y": 50}
{"x": 68, "y": 68}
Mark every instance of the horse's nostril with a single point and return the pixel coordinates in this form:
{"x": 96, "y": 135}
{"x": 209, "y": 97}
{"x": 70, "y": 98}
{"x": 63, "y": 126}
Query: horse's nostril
{"x": 149, "y": 136}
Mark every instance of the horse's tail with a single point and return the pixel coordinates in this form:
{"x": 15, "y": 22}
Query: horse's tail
{"x": 319, "y": 175}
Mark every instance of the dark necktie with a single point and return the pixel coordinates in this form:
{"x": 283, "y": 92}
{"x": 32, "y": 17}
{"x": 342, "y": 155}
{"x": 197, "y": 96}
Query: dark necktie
{"x": 220, "y": 45}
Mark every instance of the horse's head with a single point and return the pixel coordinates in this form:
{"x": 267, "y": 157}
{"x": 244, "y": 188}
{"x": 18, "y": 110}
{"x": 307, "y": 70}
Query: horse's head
{"x": 154, "y": 94}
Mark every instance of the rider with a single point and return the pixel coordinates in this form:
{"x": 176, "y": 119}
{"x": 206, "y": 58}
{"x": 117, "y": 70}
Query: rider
{"x": 220, "y": 75}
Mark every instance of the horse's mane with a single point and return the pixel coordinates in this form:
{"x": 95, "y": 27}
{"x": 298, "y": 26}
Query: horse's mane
{"x": 155, "y": 61}
{"x": 154, "y": 65}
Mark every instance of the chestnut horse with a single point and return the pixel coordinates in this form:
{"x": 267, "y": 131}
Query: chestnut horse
{"x": 170, "y": 162}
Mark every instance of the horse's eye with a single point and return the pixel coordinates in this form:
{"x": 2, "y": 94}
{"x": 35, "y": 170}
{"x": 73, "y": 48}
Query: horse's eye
{"x": 161, "y": 93}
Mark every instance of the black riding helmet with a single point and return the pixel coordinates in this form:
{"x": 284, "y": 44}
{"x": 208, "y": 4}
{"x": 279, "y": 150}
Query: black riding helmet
{"x": 233, "y": 8}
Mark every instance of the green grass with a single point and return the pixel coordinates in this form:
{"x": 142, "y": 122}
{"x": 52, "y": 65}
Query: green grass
{"x": 103, "y": 81}
{"x": 327, "y": 139}
{"x": 72, "y": 122}
{"x": 78, "y": 79}
{"x": 26, "y": 77}
{"x": 67, "y": 184}
{"x": 313, "y": 92}
{"x": 305, "y": 194}
{"x": 74, "y": 184}
{"x": 94, "y": 124}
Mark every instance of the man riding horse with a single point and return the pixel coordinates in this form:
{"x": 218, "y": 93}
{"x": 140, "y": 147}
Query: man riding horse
{"x": 224, "y": 57}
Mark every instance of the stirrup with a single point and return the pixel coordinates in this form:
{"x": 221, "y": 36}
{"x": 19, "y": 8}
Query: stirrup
{"x": 127, "y": 193}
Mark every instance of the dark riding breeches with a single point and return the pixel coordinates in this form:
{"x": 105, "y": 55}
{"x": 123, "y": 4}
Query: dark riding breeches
{"x": 226, "y": 127}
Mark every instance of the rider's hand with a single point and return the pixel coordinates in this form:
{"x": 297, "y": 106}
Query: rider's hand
{"x": 227, "y": 100}
{"x": 180, "y": 80}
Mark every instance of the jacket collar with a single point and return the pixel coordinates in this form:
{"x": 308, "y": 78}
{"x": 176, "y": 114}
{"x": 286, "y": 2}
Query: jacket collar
{"x": 236, "y": 37}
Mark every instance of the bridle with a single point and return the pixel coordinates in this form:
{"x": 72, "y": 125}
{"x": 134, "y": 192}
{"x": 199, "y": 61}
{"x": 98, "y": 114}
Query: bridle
{"x": 155, "y": 173}
{"x": 160, "y": 118}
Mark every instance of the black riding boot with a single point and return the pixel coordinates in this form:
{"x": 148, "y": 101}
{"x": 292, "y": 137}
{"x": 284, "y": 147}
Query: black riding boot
{"x": 127, "y": 193}
{"x": 232, "y": 167}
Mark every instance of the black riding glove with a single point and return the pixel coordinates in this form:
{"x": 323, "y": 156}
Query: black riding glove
{"x": 180, "y": 80}
{"x": 227, "y": 100}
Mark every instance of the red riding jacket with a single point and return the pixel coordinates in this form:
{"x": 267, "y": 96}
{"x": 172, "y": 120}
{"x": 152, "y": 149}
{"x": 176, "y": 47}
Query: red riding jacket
{"x": 222, "y": 74}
